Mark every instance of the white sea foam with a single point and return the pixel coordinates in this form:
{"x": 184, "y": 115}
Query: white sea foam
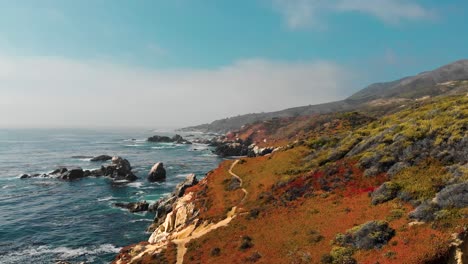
{"x": 59, "y": 252}
{"x": 134, "y": 145}
{"x": 107, "y": 198}
{"x": 165, "y": 147}
{"x": 181, "y": 176}
{"x": 135, "y": 184}
{"x": 141, "y": 220}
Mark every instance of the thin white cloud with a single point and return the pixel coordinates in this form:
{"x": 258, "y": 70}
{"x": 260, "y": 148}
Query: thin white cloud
{"x": 48, "y": 91}
{"x": 308, "y": 13}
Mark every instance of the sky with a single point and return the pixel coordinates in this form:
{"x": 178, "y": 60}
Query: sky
{"x": 168, "y": 64}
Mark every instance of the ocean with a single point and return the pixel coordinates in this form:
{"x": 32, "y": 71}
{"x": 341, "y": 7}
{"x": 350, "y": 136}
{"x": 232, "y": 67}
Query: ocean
{"x": 44, "y": 220}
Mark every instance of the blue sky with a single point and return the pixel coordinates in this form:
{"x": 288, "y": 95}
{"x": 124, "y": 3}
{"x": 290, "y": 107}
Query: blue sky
{"x": 308, "y": 46}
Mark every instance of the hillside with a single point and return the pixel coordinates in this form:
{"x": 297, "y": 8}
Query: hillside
{"x": 447, "y": 80}
{"x": 343, "y": 188}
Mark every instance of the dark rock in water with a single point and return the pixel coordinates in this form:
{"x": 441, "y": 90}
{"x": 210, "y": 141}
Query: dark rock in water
{"x": 134, "y": 207}
{"x": 96, "y": 172}
{"x": 160, "y": 139}
{"x": 60, "y": 170}
{"x": 73, "y": 174}
{"x": 157, "y": 172}
{"x": 120, "y": 169}
{"x": 164, "y": 139}
{"x": 101, "y": 158}
{"x": 180, "y": 140}
{"x": 190, "y": 181}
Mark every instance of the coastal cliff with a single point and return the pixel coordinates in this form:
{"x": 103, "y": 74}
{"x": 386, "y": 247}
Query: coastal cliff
{"x": 341, "y": 188}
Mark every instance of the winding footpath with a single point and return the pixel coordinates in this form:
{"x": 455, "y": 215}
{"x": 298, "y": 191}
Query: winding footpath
{"x": 199, "y": 232}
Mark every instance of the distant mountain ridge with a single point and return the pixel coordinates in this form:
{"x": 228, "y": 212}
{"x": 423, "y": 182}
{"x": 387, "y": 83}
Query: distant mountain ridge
{"x": 446, "y": 80}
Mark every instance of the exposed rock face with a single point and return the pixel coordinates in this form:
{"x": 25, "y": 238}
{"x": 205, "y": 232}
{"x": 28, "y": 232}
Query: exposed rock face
{"x": 101, "y": 158}
{"x": 182, "y": 211}
{"x": 134, "y": 207}
{"x": 157, "y": 173}
{"x": 166, "y": 205}
{"x": 190, "y": 181}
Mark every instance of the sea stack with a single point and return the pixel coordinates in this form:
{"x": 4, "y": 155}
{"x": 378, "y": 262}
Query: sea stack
{"x": 157, "y": 173}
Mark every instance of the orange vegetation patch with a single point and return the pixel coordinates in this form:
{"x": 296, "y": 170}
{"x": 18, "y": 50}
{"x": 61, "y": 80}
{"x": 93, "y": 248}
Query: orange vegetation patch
{"x": 301, "y": 230}
{"x": 212, "y": 197}
{"x": 302, "y": 233}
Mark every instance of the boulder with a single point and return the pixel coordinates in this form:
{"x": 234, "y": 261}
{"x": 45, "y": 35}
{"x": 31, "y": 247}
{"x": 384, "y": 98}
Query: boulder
{"x": 24, "y": 176}
{"x": 134, "y": 207}
{"x": 73, "y": 174}
{"x": 101, "y": 158}
{"x": 157, "y": 173}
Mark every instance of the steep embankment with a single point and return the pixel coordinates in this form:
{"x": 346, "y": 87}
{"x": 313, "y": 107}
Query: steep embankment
{"x": 347, "y": 189}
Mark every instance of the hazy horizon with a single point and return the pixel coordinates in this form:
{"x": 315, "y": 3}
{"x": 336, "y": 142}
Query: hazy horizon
{"x": 148, "y": 64}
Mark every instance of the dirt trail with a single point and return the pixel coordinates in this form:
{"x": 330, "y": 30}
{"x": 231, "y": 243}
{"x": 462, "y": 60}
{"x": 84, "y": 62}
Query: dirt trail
{"x": 240, "y": 180}
{"x": 203, "y": 230}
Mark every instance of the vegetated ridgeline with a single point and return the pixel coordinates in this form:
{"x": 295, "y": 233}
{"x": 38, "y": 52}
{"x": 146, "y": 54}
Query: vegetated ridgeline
{"x": 447, "y": 80}
{"x": 344, "y": 188}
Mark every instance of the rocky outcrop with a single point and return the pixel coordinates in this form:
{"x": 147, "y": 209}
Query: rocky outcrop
{"x": 72, "y": 174}
{"x": 157, "y": 173}
{"x": 189, "y": 181}
{"x": 231, "y": 149}
{"x": 119, "y": 170}
{"x": 182, "y": 211}
{"x": 178, "y": 139}
{"x": 134, "y": 207}
{"x": 166, "y": 205}
{"x": 101, "y": 158}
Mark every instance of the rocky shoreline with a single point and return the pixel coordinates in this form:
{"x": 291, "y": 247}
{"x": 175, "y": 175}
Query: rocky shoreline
{"x": 173, "y": 212}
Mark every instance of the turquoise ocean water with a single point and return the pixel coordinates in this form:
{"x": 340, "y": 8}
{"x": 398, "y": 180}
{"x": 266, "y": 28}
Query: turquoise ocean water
{"x": 44, "y": 220}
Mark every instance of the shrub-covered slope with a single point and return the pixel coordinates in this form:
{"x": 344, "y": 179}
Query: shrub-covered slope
{"x": 343, "y": 189}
